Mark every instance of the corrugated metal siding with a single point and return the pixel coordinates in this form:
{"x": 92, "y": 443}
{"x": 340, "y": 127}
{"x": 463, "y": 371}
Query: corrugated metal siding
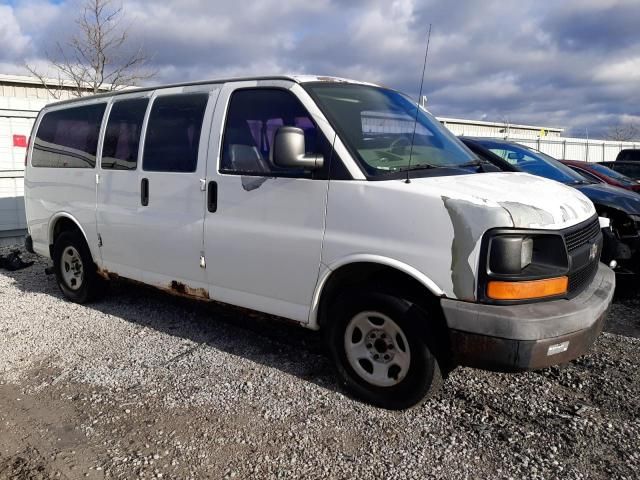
{"x": 12, "y": 158}
{"x": 19, "y": 106}
{"x": 479, "y": 130}
{"x": 576, "y": 148}
{"x": 12, "y": 216}
{"x": 20, "y": 101}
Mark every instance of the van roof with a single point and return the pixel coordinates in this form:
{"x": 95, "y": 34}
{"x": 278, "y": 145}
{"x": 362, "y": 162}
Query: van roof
{"x": 293, "y": 78}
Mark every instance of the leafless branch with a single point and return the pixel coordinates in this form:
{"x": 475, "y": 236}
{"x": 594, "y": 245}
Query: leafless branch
{"x": 623, "y": 132}
{"x": 94, "y": 59}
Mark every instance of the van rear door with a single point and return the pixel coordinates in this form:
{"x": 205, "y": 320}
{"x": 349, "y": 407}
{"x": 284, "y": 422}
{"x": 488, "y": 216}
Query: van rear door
{"x": 158, "y": 236}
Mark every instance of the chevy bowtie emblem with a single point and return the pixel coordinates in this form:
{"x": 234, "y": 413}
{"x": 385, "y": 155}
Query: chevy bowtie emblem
{"x": 593, "y": 252}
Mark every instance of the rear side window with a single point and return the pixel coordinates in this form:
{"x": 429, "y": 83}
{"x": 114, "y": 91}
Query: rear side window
{"x": 68, "y": 138}
{"x": 173, "y": 133}
{"x": 122, "y": 138}
{"x": 253, "y": 118}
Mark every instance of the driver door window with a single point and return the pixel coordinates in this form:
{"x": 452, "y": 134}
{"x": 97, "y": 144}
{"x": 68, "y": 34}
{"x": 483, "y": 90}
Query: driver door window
{"x": 253, "y": 118}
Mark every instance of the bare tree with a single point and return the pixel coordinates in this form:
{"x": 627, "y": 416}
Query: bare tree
{"x": 623, "y": 132}
{"x": 96, "y": 58}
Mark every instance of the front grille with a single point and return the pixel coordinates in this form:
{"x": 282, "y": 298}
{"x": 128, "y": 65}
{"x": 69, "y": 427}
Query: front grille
{"x": 582, "y": 236}
{"x": 579, "y": 279}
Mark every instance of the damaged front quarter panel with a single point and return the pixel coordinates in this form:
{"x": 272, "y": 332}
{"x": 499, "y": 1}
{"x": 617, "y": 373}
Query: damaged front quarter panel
{"x": 470, "y": 220}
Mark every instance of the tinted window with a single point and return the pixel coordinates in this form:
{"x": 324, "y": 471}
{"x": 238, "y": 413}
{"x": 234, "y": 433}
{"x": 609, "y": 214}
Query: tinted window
{"x": 612, "y": 174}
{"x": 585, "y": 174}
{"x": 173, "y": 133}
{"x": 122, "y": 138}
{"x": 68, "y": 138}
{"x": 253, "y": 118}
{"x": 628, "y": 169}
{"x": 629, "y": 155}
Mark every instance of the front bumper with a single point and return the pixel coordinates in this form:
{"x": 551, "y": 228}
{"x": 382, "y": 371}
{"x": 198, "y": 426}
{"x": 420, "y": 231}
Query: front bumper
{"x": 528, "y": 336}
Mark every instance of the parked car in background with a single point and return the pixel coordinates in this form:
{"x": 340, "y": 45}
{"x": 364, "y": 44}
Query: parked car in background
{"x": 340, "y": 205}
{"x": 602, "y": 174}
{"x": 628, "y": 155}
{"x": 630, "y": 169}
{"x": 622, "y": 207}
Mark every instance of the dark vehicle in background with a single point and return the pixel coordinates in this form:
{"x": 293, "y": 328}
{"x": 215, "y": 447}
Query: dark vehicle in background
{"x": 629, "y": 168}
{"x": 629, "y": 155}
{"x": 622, "y": 207}
{"x": 602, "y": 174}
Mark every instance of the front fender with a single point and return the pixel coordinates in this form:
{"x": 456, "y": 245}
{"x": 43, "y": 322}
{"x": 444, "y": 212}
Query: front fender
{"x": 328, "y": 270}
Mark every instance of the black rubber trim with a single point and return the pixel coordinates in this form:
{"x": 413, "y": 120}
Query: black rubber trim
{"x": 484, "y": 274}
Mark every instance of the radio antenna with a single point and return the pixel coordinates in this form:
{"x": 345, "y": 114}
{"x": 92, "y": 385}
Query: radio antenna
{"x": 415, "y": 123}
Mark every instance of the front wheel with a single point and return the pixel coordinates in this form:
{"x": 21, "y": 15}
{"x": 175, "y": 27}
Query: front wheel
{"x": 379, "y": 344}
{"x": 74, "y": 268}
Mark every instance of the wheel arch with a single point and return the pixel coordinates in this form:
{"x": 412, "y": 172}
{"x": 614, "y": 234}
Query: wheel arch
{"x": 63, "y": 222}
{"x": 361, "y": 269}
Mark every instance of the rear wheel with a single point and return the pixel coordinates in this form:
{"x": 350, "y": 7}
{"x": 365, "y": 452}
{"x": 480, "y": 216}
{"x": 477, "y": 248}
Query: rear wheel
{"x": 74, "y": 268}
{"x": 379, "y": 344}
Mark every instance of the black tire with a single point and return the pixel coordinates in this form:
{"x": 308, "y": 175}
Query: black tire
{"x": 423, "y": 377}
{"x": 89, "y": 285}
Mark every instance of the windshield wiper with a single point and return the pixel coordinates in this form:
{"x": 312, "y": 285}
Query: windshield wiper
{"x": 479, "y": 163}
{"x": 419, "y": 166}
{"x": 472, "y": 163}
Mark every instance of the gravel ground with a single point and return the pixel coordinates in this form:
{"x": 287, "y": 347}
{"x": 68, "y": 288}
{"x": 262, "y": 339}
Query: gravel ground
{"x": 141, "y": 384}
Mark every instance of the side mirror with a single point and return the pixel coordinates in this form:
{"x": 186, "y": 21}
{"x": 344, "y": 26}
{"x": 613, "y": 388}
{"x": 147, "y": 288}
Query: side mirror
{"x": 288, "y": 150}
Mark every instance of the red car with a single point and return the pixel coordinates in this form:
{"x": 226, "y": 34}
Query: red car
{"x": 601, "y": 174}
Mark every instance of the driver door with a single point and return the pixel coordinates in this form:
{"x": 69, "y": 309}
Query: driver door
{"x": 263, "y": 235}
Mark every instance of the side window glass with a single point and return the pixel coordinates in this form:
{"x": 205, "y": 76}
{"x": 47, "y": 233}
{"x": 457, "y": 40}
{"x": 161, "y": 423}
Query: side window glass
{"x": 587, "y": 175}
{"x": 68, "y": 138}
{"x": 253, "y": 118}
{"x": 173, "y": 133}
{"x": 122, "y": 137}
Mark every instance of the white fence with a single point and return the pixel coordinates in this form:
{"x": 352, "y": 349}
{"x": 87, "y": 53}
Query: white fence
{"x": 576, "y": 148}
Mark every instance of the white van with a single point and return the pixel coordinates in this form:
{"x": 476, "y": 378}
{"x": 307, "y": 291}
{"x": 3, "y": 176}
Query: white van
{"x": 320, "y": 200}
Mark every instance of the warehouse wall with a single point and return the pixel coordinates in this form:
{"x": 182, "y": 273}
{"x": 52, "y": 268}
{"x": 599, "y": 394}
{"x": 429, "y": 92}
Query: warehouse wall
{"x": 577, "y": 148}
{"x": 12, "y": 215}
{"x": 19, "y": 106}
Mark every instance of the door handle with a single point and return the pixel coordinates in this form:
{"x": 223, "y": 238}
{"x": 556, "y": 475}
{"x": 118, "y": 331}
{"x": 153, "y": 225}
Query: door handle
{"x": 144, "y": 192}
{"x": 212, "y": 197}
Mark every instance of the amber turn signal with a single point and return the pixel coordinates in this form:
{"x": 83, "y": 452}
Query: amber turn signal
{"x": 548, "y": 287}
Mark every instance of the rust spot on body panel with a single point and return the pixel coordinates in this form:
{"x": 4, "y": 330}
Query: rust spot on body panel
{"x": 106, "y": 274}
{"x": 179, "y": 288}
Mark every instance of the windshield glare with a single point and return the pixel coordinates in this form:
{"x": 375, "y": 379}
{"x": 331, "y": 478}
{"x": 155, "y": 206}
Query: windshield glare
{"x": 534, "y": 162}
{"x": 377, "y": 125}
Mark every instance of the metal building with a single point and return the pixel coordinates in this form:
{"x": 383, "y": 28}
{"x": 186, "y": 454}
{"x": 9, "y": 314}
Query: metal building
{"x": 21, "y": 98}
{"x": 480, "y": 128}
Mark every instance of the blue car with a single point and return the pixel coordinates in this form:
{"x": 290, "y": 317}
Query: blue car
{"x": 622, "y": 207}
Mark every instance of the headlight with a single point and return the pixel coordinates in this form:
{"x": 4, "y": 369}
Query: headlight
{"x": 510, "y": 254}
{"x": 523, "y": 266}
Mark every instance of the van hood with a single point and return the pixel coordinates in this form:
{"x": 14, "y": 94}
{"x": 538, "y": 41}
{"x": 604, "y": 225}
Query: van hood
{"x": 518, "y": 200}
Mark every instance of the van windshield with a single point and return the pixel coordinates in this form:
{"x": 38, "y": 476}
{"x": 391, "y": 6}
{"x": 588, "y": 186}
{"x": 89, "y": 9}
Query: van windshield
{"x": 377, "y": 124}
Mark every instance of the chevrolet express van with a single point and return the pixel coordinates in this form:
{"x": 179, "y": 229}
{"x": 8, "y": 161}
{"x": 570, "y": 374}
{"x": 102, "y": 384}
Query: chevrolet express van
{"x": 337, "y": 204}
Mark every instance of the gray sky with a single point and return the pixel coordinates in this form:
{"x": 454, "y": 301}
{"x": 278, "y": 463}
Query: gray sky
{"x": 571, "y": 63}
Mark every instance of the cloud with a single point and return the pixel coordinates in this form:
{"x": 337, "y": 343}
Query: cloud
{"x": 572, "y": 64}
{"x": 14, "y": 42}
